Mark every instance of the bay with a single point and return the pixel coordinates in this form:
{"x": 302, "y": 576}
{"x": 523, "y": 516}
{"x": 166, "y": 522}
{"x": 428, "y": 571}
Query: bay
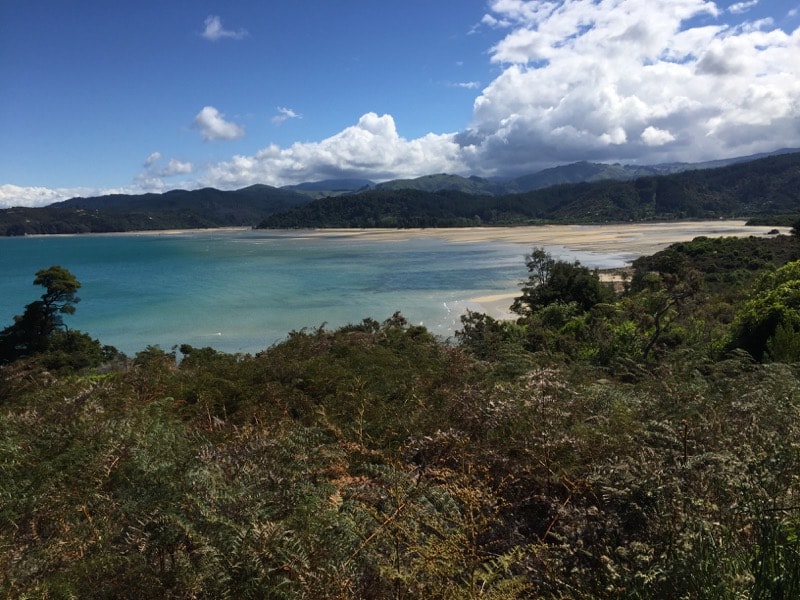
{"x": 244, "y": 290}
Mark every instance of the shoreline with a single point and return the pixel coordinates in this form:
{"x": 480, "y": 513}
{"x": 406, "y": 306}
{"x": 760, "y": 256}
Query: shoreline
{"x": 638, "y": 238}
{"x": 594, "y": 237}
{"x": 596, "y": 246}
{"x": 626, "y": 240}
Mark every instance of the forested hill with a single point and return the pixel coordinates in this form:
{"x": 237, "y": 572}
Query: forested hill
{"x": 177, "y": 209}
{"x": 766, "y": 188}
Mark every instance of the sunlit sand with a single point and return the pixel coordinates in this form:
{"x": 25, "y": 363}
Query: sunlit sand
{"x": 632, "y": 240}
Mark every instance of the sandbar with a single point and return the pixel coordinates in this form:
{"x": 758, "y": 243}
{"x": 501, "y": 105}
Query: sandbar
{"x": 634, "y": 239}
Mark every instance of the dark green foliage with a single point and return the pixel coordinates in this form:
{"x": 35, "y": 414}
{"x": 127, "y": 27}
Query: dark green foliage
{"x": 774, "y": 310}
{"x": 40, "y": 330}
{"x": 553, "y": 281}
{"x": 386, "y": 208}
{"x": 765, "y": 189}
{"x": 32, "y": 331}
{"x": 176, "y": 209}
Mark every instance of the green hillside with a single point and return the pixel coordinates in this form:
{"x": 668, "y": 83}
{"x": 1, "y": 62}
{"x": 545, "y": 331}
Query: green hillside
{"x": 329, "y": 187}
{"x": 765, "y": 188}
{"x": 176, "y": 209}
{"x": 445, "y": 182}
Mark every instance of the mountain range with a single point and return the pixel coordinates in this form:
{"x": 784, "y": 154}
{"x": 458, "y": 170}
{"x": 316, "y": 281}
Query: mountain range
{"x": 580, "y": 192}
{"x": 578, "y": 172}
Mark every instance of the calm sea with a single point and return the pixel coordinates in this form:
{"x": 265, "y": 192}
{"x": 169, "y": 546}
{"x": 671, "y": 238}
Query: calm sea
{"x": 243, "y": 291}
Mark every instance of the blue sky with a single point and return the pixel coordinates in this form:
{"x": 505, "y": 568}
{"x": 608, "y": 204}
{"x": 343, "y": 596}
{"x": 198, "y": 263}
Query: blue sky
{"x": 103, "y": 96}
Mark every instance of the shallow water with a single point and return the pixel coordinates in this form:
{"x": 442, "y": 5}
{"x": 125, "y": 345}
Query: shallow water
{"x": 242, "y": 291}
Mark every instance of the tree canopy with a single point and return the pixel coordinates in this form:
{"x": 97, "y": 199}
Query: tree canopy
{"x": 556, "y": 281}
{"x": 41, "y": 324}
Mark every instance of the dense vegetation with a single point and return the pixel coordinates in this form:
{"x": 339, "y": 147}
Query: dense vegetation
{"x": 602, "y": 445}
{"x": 766, "y": 190}
{"x": 177, "y": 209}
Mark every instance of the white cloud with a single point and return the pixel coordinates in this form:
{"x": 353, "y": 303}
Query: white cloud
{"x": 371, "y": 148}
{"x": 633, "y": 80}
{"x": 213, "y": 126}
{"x": 653, "y": 136}
{"x": 177, "y": 167}
{"x": 493, "y": 22}
{"x": 641, "y": 81}
{"x": 15, "y": 195}
{"x": 152, "y": 159}
{"x": 284, "y": 114}
{"x": 467, "y": 85}
{"x": 741, "y": 7}
{"x": 152, "y": 178}
{"x": 215, "y": 31}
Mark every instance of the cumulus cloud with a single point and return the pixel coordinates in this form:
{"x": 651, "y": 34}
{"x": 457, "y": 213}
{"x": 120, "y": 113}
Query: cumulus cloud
{"x": 15, "y": 195}
{"x": 151, "y": 179}
{"x": 633, "y": 80}
{"x": 284, "y": 114}
{"x": 653, "y": 136}
{"x": 213, "y": 126}
{"x": 493, "y": 22}
{"x": 371, "y": 148}
{"x": 177, "y": 167}
{"x": 215, "y": 31}
{"x": 152, "y": 159}
{"x": 621, "y": 80}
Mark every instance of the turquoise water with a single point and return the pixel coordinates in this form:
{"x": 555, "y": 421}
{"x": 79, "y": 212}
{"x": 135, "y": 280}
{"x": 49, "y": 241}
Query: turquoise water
{"x": 243, "y": 291}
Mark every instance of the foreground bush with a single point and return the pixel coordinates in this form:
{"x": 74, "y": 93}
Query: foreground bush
{"x": 545, "y": 458}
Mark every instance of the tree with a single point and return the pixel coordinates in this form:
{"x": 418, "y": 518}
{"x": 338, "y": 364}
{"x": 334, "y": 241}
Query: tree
{"x": 32, "y": 331}
{"x": 774, "y": 309}
{"x": 666, "y": 292}
{"x": 550, "y": 281}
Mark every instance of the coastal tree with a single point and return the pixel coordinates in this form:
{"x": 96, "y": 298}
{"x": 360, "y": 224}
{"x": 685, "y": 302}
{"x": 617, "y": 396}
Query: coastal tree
{"x": 32, "y": 331}
{"x": 557, "y": 281}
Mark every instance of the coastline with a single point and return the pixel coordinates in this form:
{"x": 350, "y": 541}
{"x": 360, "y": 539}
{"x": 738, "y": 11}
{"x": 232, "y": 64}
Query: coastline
{"x": 638, "y": 238}
{"x": 133, "y": 298}
{"x": 630, "y": 241}
{"x": 627, "y": 240}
